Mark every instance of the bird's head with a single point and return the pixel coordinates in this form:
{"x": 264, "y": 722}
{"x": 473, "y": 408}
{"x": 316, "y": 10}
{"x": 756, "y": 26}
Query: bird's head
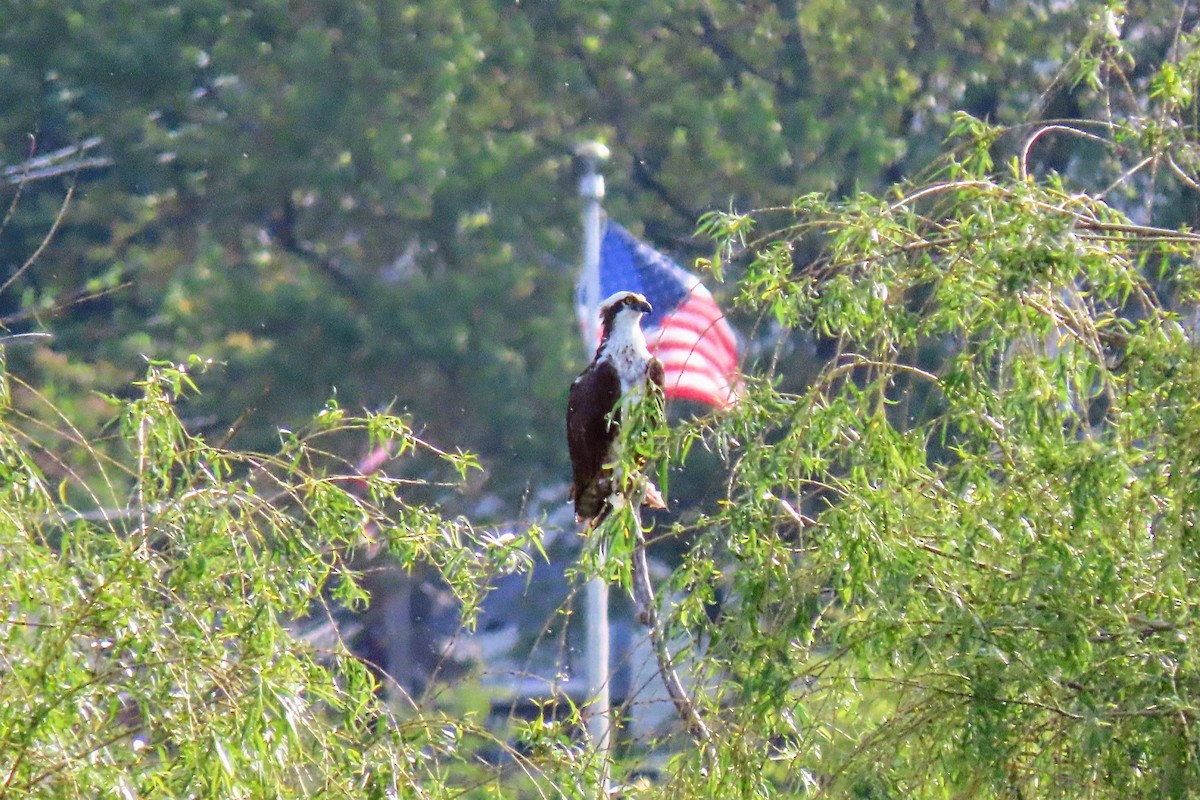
{"x": 621, "y": 304}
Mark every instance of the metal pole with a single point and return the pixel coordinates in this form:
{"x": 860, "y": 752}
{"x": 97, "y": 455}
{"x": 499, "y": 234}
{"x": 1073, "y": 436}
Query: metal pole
{"x": 599, "y": 721}
{"x": 599, "y": 717}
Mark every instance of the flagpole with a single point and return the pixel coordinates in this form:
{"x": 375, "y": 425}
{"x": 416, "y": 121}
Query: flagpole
{"x": 599, "y": 709}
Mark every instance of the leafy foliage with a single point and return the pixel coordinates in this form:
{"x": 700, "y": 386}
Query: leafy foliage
{"x": 152, "y": 649}
{"x": 961, "y": 560}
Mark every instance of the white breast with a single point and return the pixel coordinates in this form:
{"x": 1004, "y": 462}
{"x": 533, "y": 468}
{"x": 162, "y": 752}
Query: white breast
{"x": 626, "y": 349}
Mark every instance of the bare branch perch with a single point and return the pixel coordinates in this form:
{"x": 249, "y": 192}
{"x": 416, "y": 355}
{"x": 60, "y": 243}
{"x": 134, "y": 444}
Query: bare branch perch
{"x": 643, "y": 595}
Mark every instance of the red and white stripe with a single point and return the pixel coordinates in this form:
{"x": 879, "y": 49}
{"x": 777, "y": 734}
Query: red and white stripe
{"x": 698, "y": 350}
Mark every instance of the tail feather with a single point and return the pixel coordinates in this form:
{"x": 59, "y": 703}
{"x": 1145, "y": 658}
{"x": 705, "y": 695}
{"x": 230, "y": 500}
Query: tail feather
{"x": 653, "y": 497}
{"x": 592, "y": 507}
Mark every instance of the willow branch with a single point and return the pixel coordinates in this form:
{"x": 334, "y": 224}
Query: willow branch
{"x": 643, "y": 595}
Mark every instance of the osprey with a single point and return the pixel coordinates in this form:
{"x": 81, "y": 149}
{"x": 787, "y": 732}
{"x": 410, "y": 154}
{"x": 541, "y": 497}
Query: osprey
{"x": 622, "y": 372}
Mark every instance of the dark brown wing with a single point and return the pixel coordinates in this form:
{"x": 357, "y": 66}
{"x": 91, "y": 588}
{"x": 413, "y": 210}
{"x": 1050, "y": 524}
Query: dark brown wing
{"x": 654, "y": 371}
{"x": 589, "y": 433}
{"x": 655, "y": 377}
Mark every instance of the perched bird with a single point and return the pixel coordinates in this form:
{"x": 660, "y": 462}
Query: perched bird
{"x": 622, "y": 372}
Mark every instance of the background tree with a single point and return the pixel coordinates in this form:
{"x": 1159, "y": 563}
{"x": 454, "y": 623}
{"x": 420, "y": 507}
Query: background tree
{"x": 379, "y": 198}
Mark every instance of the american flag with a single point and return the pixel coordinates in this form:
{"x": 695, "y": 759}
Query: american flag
{"x": 686, "y": 331}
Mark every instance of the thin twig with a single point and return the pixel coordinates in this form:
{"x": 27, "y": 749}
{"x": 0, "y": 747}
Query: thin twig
{"x": 1037, "y": 134}
{"x": 18, "y": 173}
{"x": 29, "y": 262}
{"x": 61, "y": 169}
{"x": 937, "y": 551}
{"x": 21, "y": 338}
{"x": 16, "y": 199}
